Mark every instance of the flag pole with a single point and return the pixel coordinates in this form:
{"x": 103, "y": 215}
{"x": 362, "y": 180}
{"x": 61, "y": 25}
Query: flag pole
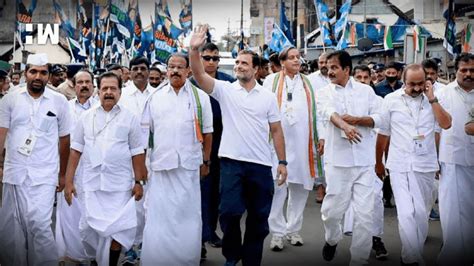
{"x": 106, "y": 37}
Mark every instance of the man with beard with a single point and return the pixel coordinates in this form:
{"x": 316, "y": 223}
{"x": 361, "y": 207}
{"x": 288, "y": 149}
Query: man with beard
{"x": 210, "y": 184}
{"x": 179, "y": 117}
{"x": 410, "y": 117}
{"x": 361, "y": 73}
{"x": 58, "y": 76}
{"x": 456, "y": 155}
{"x": 431, "y": 69}
{"x": 352, "y": 111}
{"x": 249, "y": 115}
{"x": 67, "y": 217}
{"x": 301, "y": 127}
{"x": 391, "y": 82}
{"x": 15, "y": 78}
{"x": 109, "y": 136}
{"x": 35, "y": 123}
{"x": 319, "y": 80}
{"x": 155, "y": 77}
{"x": 133, "y": 98}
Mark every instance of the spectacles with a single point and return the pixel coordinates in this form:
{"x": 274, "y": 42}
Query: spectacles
{"x": 214, "y": 58}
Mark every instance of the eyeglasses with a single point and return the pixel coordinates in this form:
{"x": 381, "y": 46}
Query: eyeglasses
{"x": 214, "y": 58}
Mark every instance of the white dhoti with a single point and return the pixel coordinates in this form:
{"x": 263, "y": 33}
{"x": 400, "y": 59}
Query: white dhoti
{"x": 68, "y": 237}
{"x": 26, "y": 237}
{"x": 378, "y": 212}
{"x": 456, "y": 208}
{"x": 107, "y": 216}
{"x": 172, "y": 234}
{"x": 297, "y": 197}
{"x": 413, "y": 192}
{"x": 347, "y": 185}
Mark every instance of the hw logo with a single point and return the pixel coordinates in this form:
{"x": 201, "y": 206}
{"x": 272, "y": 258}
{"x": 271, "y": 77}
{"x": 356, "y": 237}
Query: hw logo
{"x": 51, "y": 32}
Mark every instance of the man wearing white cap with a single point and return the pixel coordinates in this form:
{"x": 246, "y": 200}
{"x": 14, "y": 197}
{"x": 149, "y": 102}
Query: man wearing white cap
{"x": 34, "y": 122}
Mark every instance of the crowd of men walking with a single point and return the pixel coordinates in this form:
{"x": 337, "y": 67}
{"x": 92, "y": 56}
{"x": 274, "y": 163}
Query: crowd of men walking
{"x": 146, "y": 164}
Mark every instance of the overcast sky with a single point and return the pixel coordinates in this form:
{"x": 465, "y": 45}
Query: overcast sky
{"x": 216, "y": 13}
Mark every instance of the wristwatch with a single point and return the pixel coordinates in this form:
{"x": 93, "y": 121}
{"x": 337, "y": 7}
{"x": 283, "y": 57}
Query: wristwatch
{"x": 207, "y": 162}
{"x": 435, "y": 100}
{"x": 284, "y": 162}
{"x": 140, "y": 182}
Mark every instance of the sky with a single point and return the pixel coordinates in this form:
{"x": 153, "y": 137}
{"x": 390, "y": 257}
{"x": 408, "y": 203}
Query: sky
{"x": 216, "y": 13}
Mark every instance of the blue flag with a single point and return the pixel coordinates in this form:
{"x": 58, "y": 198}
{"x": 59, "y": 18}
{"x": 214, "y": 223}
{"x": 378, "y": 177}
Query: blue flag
{"x": 285, "y": 24}
{"x": 323, "y": 20}
{"x": 279, "y": 40}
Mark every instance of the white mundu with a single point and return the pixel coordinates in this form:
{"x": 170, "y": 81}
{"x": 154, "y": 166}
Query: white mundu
{"x": 349, "y": 166}
{"x": 412, "y": 161}
{"x": 107, "y": 141}
{"x": 67, "y": 234}
{"x": 30, "y": 179}
{"x": 295, "y": 114}
{"x": 456, "y": 184}
{"x": 172, "y": 234}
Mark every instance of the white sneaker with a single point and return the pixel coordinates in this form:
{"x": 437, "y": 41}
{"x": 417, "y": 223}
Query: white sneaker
{"x": 277, "y": 243}
{"x": 295, "y": 240}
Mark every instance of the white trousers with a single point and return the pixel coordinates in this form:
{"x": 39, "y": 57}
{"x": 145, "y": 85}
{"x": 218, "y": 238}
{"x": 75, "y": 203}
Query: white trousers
{"x": 378, "y": 212}
{"x": 68, "y": 237}
{"x": 456, "y": 207}
{"x": 173, "y": 225}
{"x": 347, "y": 185}
{"x": 413, "y": 192}
{"x": 107, "y": 216}
{"x": 297, "y": 196}
{"x": 26, "y": 237}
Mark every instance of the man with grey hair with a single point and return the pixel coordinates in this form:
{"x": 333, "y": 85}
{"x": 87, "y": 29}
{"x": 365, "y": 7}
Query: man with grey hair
{"x": 35, "y": 126}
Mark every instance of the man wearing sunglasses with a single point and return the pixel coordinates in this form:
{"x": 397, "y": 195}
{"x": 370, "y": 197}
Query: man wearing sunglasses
{"x": 210, "y": 184}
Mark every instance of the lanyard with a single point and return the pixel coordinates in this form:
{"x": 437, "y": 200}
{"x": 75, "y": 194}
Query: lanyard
{"x": 417, "y": 119}
{"x": 289, "y": 93}
{"x": 105, "y": 125}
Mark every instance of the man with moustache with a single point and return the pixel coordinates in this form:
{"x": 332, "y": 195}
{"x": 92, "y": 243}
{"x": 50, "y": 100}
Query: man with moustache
{"x": 361, "y": 74}
{"x": 34, "y": 123}
{"x": 379, "y": 73}
{"x": 319, "y": 80}
{"x": 67, "y": 88}
{"x": 249, "y": 116}
{"x": 456, "y": 155}
{"x": 155, "y": 77}
{"x": 179, "y": 117}
{"x": 58, "y": 76}
{"x": 431, "y": 69}
{"x": 410, "y": 117}
{"x": 67, "y": 217}
{"x": 352, "y": 110}
{"x": 301, "y": 127}
{"x": 109, "y": 136}
{"x": 15, "y": 78}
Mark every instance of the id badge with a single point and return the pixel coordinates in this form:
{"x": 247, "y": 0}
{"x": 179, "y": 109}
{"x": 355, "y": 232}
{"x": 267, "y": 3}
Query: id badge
{"x": 95, "y": 156}
{"x": 27, "y": 147}
{"x": 420, "y": 147}
{"x": 290, "y": 116}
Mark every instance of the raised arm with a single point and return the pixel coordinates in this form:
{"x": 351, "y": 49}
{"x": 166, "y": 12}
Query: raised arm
{"x": 206, "y": 82}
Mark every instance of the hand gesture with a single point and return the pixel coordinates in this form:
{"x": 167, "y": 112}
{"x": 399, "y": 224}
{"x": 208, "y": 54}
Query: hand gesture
{"x": 352, "y": 134}
{"x": 429, "y": 90}
{"x": 282, "y": 174}
{"x": 199, "y": 37}
{"x": 69, "y": 191}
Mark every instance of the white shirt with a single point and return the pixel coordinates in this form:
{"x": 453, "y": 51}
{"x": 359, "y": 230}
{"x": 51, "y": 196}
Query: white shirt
{"x": 437, "y": 86}
{"x": 23, "y": 115}
{"x": 405, "y": 118}
{"x": 355, "y": 99}
{"x": 456, "y": 147}
{"x": 246, "y": 118}
{"x": 318, "y": 80}
{"x": 173, "y": 127}
{"x": 134, "y": 100}
{"x": 294, "y": 121}
{"x": 107, "y": 141}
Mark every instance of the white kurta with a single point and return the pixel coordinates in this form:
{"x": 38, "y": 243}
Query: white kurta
{"x": 172, "y": 234}
{"x": 67, "y": 234}
{"x": 107, "y": 141}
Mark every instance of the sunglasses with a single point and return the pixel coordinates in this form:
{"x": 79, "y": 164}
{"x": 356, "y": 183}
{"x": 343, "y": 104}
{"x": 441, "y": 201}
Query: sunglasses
{"x": 208, "y": 58}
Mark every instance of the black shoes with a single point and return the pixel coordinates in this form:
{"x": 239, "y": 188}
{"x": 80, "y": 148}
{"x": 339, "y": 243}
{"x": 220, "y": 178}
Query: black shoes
{"x": 329, "y": 252}
{"x": 379, "y": 248}
{"x": 216, "y": 241}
